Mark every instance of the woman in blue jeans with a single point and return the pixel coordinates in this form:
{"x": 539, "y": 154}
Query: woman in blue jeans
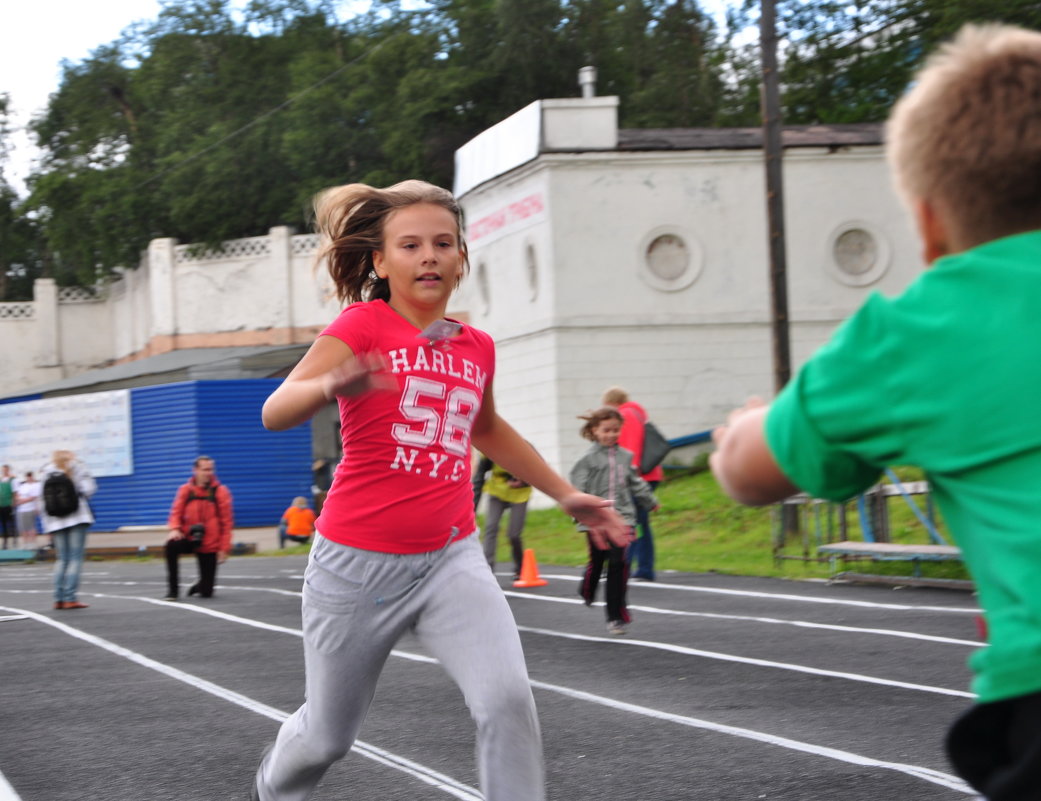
{"x": 66, "y": 525}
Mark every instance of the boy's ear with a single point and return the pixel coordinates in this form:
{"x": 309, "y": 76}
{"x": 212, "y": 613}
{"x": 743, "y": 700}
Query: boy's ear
{"x": 932, "y": 230}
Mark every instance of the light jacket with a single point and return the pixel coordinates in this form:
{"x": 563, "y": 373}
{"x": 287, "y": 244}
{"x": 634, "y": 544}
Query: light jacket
{"x": 85, "y": 486}
{"x": 609, "y": 473}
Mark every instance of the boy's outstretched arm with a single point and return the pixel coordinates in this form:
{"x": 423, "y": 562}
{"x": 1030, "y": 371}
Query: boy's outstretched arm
{"x": 742, "y": 462}
{"x": 498, "y": 440}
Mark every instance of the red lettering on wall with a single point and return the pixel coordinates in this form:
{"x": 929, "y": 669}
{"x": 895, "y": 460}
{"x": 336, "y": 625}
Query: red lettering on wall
{"x": 513, "y": 213}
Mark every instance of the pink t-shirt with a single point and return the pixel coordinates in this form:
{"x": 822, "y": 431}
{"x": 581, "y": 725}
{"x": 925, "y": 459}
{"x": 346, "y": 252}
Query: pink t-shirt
{"x": 403, "y": 485}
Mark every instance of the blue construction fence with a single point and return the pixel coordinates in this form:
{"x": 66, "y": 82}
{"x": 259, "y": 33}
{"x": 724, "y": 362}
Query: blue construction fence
{"x": 172, "y": 424}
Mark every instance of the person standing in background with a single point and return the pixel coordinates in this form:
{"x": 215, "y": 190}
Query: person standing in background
{"x": 66, "y": 516}
{"x": 505, "y": 492}
{"x": 27, "y": 509}
{"x": 634, "y": 417}
{"x": 7, "y": 526}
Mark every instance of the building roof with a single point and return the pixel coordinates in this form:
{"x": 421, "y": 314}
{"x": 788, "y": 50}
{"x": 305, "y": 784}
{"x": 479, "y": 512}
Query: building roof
{"x": 831, "y": 136}
{"x": 190, "y": 364}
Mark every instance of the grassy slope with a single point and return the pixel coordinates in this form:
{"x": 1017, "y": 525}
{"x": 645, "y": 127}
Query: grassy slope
{"x": 698, "y": 529}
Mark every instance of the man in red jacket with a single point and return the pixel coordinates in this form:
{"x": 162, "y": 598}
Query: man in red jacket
{"x": 200, "y": 522}
{"x": 641, "y": 550}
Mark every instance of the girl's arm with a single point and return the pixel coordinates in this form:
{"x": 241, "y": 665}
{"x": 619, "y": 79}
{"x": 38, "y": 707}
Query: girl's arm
{"x": 498, "y": 440}
{"x": 329, "y": 368}
{"x": 641, "y": 491}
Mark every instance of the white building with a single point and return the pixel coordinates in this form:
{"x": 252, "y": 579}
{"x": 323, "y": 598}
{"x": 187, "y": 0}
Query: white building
{"x": 639, "y": 258}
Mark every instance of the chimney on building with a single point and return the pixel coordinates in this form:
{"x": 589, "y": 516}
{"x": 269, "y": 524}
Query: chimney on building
{"x": 587, "y": 80}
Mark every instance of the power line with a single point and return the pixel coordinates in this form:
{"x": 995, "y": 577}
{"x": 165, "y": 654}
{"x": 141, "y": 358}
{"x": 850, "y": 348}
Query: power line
{"x": 253, "y": 123}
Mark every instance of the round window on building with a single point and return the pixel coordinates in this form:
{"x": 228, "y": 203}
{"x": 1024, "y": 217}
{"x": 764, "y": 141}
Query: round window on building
{"x": 858, "y": 254}
{"x": 670, "y": 259}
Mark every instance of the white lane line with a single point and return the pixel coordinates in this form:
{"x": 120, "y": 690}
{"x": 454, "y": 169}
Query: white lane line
{"x": 917, "y": 771}
{"x": 657, "y": 610}
{"x": 414, "y": 769}
{"x": 777, "y": 596}
{"x": 7, "y": 792}
{"x": 927, "y": 774}
{"x": 202, "y": 610}
{"x": 747, "y": 660}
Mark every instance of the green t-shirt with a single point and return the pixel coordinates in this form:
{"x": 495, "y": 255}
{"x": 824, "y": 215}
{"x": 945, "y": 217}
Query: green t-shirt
{"x": 6, "y": 491}
{"x": 945, "y": 377}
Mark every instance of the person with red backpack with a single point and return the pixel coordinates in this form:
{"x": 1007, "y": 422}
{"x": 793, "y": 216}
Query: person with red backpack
{"x": 201, "y": 521}
{"x": 632, "y": 438}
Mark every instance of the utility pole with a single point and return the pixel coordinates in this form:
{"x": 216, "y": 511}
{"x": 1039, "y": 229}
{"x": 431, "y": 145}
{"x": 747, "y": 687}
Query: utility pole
{"x": 773, "y": 151}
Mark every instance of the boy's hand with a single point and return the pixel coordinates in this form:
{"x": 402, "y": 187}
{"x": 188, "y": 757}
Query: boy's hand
{"x": 742, "y": 462}
{"x": 367, "y": 372}
{"x": 720, "y": 433}
{"x": 606, "y": 528}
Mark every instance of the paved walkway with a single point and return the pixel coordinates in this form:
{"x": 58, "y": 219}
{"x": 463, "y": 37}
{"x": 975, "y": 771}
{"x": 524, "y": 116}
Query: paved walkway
{"x": 264, "y": 538}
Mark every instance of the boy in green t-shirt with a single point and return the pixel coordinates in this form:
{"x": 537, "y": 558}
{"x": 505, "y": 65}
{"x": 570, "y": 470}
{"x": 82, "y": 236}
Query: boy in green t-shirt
{"x": 944, "y": 377}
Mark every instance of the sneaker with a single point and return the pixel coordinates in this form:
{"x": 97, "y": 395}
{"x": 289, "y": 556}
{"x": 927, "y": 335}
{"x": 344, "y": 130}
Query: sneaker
{"x": 170, "y": 597}
{"x": 616, "y": 627}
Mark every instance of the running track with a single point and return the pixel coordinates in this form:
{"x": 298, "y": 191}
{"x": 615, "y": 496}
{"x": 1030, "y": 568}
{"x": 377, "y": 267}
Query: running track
{"x": 724, "y": 689}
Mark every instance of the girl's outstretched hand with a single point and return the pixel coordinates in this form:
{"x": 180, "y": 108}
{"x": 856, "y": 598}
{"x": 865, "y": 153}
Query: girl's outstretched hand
{"x": 366, "y": 372}
{"x": 606, "y": 528}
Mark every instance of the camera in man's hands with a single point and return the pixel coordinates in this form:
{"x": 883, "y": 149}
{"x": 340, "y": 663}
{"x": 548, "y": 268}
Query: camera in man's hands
{"x": 196, "y": 533}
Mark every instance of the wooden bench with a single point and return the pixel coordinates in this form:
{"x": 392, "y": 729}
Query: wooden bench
{"x": 890, "y": 552}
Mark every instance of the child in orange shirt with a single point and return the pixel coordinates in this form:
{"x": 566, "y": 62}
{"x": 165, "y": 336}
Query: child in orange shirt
{"x": 297, "y": 523}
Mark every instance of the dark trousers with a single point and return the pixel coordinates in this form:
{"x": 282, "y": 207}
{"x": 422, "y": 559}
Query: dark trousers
{"x": 996, "y": 747}
{"x": 617, "y": 580}
{"x": 7, "y": 526}
{"x": 207, "y": 567}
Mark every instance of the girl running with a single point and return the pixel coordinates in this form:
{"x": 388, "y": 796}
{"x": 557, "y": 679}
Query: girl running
{"x": 396, "y": 547}
{"x": 606, "y": 470}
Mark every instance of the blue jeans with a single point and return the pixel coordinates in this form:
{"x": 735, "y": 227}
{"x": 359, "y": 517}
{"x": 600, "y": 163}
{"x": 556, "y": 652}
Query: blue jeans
{"x": 69, "y": 544}
{"x": 641, "y": 550}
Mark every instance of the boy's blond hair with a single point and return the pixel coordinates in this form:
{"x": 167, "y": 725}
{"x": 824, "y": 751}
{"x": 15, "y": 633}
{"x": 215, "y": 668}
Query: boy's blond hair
{"x": 614, "y": 396}
{"x": 967, "y": 136}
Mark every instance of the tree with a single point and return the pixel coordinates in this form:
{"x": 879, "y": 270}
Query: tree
{"x": 849, "y": 62}
{"x": 208, "y": 124}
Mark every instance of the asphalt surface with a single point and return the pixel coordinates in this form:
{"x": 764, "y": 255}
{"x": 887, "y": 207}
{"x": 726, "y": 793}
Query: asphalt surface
{"x": 724, "y": 689}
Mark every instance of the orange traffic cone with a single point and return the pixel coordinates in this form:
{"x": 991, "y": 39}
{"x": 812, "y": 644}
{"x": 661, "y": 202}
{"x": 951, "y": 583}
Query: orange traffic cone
{"x": 529, "y": 575}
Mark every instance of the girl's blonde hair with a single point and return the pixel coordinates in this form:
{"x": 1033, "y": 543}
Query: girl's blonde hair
{"x": 351, "y": 218}
{"x": 596, "y": 417}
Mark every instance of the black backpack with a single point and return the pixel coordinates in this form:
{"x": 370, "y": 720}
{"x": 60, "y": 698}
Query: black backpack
{"x": 60, "y": 498}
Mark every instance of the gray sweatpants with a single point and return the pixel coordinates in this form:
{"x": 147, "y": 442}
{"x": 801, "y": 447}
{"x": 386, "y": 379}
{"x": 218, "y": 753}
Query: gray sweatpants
{"x": 356, "y": 605}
